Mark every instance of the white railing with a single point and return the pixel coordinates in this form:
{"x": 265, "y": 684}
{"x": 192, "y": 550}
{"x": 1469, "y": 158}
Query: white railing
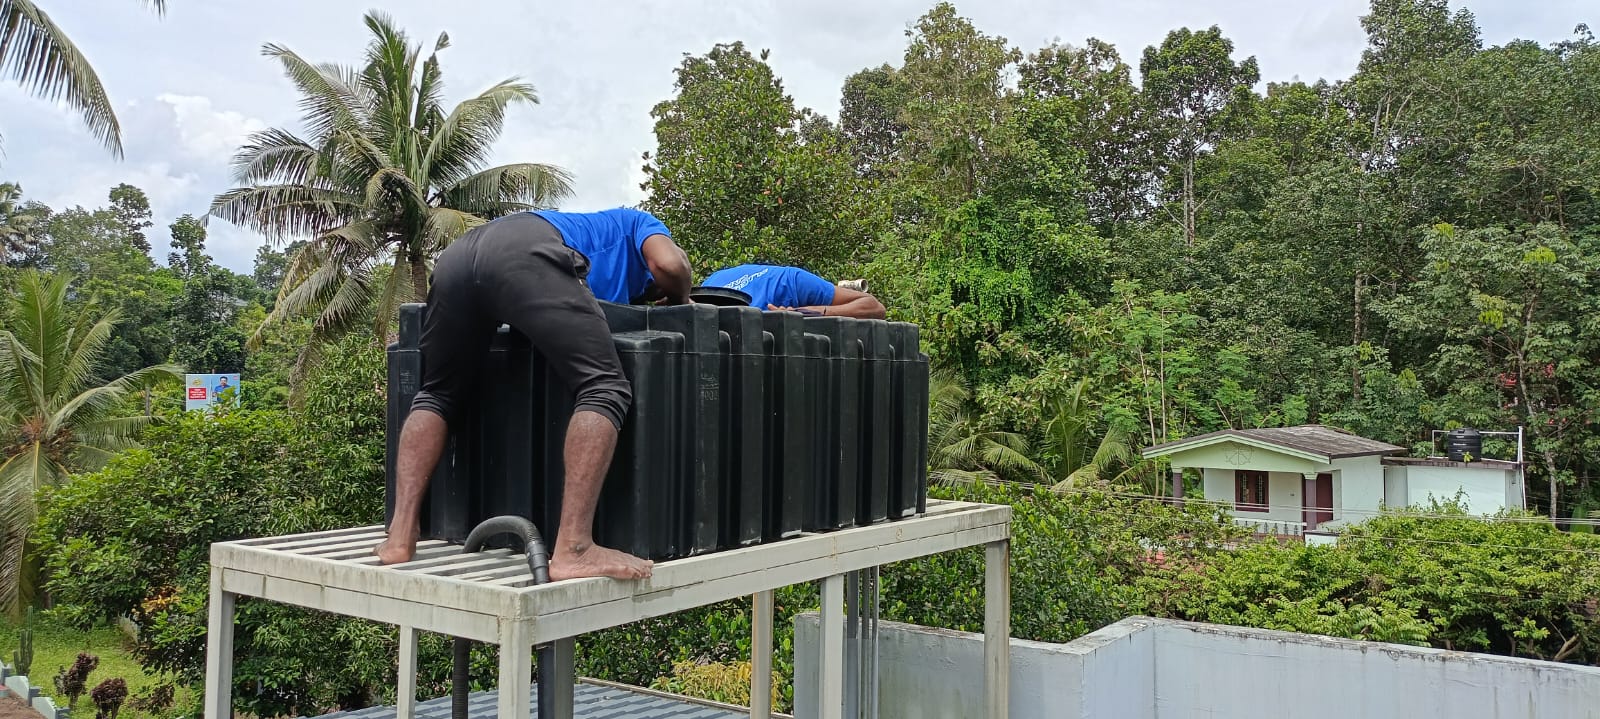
{"x": 1276, "y": 527}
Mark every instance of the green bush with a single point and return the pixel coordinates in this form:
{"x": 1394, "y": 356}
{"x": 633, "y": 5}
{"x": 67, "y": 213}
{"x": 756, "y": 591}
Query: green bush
{"x": 1518, "y": 588}
{"x": 1074, "y": 561}
{"x": 1074, "y": 558}
{"x": 133, "y": 539}
{"x": 726, "y": 683}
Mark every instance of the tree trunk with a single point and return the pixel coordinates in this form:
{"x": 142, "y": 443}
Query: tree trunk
{"x": 419, "y": 277}
{"x": 1555, "y": 488}
{"x": 1357, "y": 330}
{"x": 1188, "y": 202}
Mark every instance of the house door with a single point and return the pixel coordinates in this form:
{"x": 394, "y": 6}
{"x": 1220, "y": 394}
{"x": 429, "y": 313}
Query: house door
{"x": 1320, "y": 507}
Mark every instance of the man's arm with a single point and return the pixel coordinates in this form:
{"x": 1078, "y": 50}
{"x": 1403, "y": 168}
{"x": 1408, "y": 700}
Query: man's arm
{"x": 847, "y": 303}
{"x": 669, "y": 264}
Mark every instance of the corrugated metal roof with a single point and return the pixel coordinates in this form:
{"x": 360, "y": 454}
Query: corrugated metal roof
{"x": 1329, "y": 442}
{"x": 591, "y": 702}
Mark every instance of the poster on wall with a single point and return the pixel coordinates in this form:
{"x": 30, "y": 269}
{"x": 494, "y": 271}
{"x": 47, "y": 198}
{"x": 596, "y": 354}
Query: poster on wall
{"x": 203, "y": 391}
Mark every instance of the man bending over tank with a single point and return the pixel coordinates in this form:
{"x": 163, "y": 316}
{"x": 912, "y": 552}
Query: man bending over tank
{"x": 779, "y": 288}
{"x": 529, "y": 270}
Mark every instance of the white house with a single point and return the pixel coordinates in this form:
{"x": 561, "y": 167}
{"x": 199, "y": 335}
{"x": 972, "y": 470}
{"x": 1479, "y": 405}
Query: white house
{"x": 1288, "y": 480}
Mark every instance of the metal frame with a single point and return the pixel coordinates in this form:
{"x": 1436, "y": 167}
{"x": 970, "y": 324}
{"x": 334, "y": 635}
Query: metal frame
{"x": 490, "y": 597}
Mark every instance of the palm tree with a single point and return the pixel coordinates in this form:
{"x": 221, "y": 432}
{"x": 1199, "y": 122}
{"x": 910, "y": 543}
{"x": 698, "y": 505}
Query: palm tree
{"x": 1075, "y": 458}
{"x": 46, "y": 63}
{"x": 959, "y": 447}
{"x": 383, "y": 180}
{"x": 55, "y": 418}
{"x": 18, "y": 225}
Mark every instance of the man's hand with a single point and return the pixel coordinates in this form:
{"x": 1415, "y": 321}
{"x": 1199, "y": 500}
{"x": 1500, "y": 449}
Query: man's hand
{"x": 809, "y": 311}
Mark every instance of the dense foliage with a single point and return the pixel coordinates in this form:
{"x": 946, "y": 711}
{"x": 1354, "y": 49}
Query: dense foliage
{"x": 1099, "y": 263}
{"x": 1407, "y": 249}
{"x": 56, "y": 418}
{"x": 133, "y": 538}
{"x": 1518, "y": 588}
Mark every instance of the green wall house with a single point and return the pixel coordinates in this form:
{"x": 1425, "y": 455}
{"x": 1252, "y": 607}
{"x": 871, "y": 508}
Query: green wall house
{"x": 1291, "y": 480}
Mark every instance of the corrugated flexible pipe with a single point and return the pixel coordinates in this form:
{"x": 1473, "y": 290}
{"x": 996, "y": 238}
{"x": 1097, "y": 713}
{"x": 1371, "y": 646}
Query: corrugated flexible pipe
{"x": 538, "y": 562}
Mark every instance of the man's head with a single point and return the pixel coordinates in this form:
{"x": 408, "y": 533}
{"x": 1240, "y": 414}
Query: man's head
{"x": 222, "y": 380}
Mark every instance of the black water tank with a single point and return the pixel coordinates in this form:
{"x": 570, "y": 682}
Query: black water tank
{"x": 1464, "y": 445}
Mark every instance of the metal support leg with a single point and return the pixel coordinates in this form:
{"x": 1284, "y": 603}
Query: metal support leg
{"x": 516, "y": 669}
{"x": 830, "y": 699}
{"x": 219, "y": 651}
{"x": 405, "y": 696}
{"x": 557, "y": 673}
{"x": 761, "y": 656}
{"x": 997, "y": 628}
{"x": 869, "y": 701}
{"x": 852, "y": 645}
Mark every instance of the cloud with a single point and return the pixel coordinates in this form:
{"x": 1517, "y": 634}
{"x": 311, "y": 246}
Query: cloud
{"x": 194, "y": 84}
{"x": 205, "y": 132}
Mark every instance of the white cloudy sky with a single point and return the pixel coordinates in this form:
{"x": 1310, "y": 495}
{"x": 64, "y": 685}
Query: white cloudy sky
{"x": 188, "y": 87}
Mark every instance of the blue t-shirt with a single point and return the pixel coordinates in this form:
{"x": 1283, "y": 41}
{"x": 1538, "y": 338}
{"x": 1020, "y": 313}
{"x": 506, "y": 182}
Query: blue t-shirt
{"x": 774, "y": 285}
{"x": 611, "y": 240}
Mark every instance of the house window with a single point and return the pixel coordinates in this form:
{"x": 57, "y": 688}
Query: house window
{"x": 1249, "y": 490}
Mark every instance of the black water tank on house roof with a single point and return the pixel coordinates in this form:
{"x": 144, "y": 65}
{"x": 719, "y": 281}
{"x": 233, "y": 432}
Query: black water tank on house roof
{"x": 1464, "y": 445}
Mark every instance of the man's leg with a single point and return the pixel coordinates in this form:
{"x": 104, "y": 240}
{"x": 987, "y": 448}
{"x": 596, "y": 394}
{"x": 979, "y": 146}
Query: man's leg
{"x": 454, "y": 337}
{"x": 591, "y": 438}
{"x": 537, "y": 289}
{"x": 421, "y": 442}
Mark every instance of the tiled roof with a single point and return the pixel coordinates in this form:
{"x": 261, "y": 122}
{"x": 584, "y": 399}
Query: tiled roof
{"x": 1314, "y": 438}
{"x": 591, "y": 702}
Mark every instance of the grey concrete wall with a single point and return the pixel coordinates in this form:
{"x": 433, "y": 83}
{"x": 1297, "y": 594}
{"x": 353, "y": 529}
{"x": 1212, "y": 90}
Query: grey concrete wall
{"x": 1144, "y": 668}
{"x": 926, "y": 673}
{"x": 1211, "y": 670}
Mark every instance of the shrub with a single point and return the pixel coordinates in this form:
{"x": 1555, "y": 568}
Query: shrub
{"x": 108, "y": 697}
{"x": 1519, "y": 588}
{"x": 134, "y": 538}
{"x": 1074, "y": 560}
{"x": 726, "y": 683}
{"x": 73, "y": 681}
{"x": 156, "y": 701}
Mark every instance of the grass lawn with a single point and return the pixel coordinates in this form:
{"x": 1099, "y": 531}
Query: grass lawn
{"x": 55, "y": 647}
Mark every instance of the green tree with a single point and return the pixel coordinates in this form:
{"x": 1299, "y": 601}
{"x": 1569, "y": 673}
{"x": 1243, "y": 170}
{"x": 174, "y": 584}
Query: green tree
{"x": 1512, "y": 307}
{"x": 1192, "y": 90}
{"x": 205, "y": 329}
{"x": 54, "y": 418}
{"x": 98, "y": 250}
{"x": 19, "y": 224}
{"x": 955, "y": 78}
{"x": 132, "y": 208}
{"x": 1098, "y": 99}
{"x": 1073, "y": 456}
{"x": 385, "y": 177}
{"x": 960, "y": 447}
{"x": 41, "y": 58}
{"x": 869, "y": 119}
{"x": 271, "y": 266}
{"x": 741, "y": 175}
{"x": 133, "y": 539}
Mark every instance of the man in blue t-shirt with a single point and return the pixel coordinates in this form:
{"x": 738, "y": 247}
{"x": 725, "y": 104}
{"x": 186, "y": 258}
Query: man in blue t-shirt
{"x": 530, "y": 270}
{"x": 778, "y": 288}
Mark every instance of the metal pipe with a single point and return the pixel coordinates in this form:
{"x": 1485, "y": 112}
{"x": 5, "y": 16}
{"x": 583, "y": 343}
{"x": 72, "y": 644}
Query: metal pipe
{"x": 538, "y": 563}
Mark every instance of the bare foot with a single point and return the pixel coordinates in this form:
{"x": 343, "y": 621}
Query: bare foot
{"x": 597, "y": 561}
{"x": 395, "y": 551}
